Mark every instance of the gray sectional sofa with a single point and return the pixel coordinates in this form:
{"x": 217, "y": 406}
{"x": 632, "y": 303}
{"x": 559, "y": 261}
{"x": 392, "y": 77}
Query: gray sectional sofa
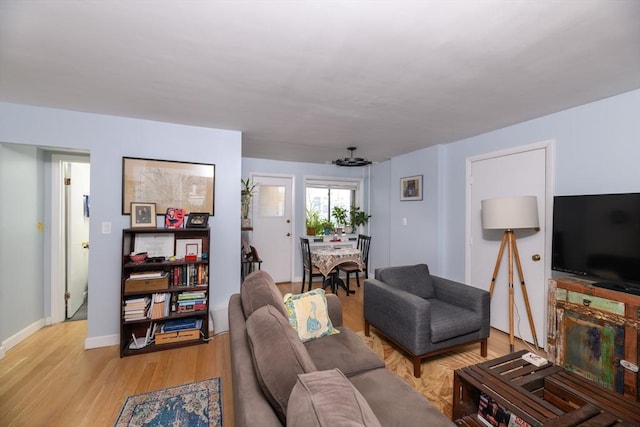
{"x": 332, "y": 380}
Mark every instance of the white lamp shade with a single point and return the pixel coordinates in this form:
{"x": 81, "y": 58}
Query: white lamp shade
{"x": 510, "y": 213}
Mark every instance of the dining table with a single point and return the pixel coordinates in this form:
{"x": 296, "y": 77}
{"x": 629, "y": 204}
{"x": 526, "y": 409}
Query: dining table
{"x": 327, "y": 258}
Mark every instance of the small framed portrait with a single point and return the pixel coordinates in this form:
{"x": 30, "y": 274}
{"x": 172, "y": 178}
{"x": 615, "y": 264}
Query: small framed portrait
{"x": 198, "y": 220}
{"x": 143, "y": 215}
{"x": 411, "y": 188}
{"x": 174, "y": 218}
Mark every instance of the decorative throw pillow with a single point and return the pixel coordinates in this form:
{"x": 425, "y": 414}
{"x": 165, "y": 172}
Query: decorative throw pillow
{"x": 278, "y": 356}
{"x": 308, "y": 314}
{"x": 327, "y": 398}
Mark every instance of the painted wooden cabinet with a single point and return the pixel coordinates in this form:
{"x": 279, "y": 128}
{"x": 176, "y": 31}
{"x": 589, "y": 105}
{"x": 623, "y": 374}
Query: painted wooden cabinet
{"x": 593, "y": 332}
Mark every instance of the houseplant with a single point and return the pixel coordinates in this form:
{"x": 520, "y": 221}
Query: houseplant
{"x": 357, "y": 217}
{"x": 246, "y": 194}
{"x": 340, "y": 214}
{"x": 312, "y": 222}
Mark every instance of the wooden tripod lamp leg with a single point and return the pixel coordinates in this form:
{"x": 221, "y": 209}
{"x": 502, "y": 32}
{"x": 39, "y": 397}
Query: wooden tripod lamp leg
{"x": 497, "y": 267}
{"x": 524, "y": 291}
{"x": 509, "y": 233}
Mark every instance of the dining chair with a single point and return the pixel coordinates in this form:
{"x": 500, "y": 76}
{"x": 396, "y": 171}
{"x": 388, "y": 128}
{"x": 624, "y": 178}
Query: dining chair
{"x": 348, "y": 268}
{"x": 307, "y": 266}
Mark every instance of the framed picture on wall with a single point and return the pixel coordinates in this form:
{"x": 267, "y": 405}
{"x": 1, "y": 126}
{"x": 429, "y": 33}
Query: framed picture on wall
{"x": 411, "y": 188}
{"x": 143, "y": 215}
{"x": 168, "y": 183}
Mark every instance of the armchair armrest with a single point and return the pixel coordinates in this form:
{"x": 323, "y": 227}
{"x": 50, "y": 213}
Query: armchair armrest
{"x": 399, "y": 314}
{"x": 334, "y": 308}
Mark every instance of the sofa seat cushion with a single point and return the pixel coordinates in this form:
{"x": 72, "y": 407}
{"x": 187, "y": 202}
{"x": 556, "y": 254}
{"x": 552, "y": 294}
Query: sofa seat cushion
{"x": 278, "y": 356}
{"x": 414, "y": 279}
{"x": 450, "y": 321}
{"x": 327, "y": 398}
{"x": 345, "y": 351}
{"x": 396, "y": 403}
{"x": 258, "y": 290}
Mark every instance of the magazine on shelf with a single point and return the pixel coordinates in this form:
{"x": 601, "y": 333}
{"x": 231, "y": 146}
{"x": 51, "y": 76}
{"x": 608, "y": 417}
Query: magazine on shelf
{"x": 492, "y": 414}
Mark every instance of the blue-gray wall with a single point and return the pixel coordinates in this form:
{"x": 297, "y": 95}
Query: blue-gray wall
{"x": 597, "y": 151}
{"x": 108, "y": 139}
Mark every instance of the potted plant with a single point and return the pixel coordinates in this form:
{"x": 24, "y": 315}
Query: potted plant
{"x": 326, "y": 225}
{"x": 246, "y": 194}
{"x": 312, "y": 222}
{"x": 340, "y": 214}
{"x": 357, "y": 217}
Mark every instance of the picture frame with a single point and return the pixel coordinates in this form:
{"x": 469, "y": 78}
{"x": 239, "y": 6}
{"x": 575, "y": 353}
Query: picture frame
{"x": 197, "y": 220}
{"x": 174, "y": 218}
{"x": 168, "y": 184}
{"x": 143, "y": 215}
{"x": 411, "y": 188}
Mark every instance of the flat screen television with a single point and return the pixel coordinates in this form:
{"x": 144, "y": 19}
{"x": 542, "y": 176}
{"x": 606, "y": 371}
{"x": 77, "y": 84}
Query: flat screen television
{"x": 598, "y": 236}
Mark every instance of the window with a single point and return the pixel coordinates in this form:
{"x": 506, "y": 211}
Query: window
{"x": 322, "y": 195}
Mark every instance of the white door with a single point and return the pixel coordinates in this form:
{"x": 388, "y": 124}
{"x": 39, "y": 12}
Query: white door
{"x": 522, "y": 172}
{"x": 77, "y": 210}
{"x": 273, "y": 224}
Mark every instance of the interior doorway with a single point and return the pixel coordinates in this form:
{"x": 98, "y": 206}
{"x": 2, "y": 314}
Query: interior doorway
{"x": 273, "y": 224}
{"x": 71, "y": 209}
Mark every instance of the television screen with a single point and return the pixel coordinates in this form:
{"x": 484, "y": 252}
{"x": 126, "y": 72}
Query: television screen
{"x": 598, "y": 236}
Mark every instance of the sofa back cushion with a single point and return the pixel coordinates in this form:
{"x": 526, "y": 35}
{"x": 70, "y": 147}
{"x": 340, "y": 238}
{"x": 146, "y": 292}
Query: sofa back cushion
{"x": 327, "y": 398}
{"x": 258, "y": 290}
{"x": 278, "y": 356}
{"x": 414, "y": 279}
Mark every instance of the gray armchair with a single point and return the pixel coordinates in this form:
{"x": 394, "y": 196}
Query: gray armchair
{"x": 423, "y": 314}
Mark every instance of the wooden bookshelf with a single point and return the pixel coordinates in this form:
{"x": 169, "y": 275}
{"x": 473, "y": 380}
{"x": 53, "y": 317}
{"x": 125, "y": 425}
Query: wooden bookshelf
{"x": 170, "y": 287}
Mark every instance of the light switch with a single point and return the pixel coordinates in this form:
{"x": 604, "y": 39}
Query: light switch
{"x": 106, "y": 227}
{"x": 404, "y": 221}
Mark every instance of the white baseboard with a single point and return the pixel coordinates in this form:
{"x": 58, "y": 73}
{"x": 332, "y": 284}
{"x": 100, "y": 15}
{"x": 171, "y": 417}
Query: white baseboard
{"x": 3, "y": 352}
{"x": 22, "y": 335}
{"x": 103, "y": 341}
{"x": 220, "y": 320}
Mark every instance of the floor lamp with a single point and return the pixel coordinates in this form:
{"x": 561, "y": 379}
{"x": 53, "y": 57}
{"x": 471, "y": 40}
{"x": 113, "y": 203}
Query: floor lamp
{"x": 509, "y": 214}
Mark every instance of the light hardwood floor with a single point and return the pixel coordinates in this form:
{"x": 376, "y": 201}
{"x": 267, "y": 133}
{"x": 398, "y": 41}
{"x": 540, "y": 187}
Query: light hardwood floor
{"x": 50, "y": 380}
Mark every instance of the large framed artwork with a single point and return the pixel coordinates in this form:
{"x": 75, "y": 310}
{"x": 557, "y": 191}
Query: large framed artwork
{"x": 411, "y": 188}
{"x": 168, "y": 184}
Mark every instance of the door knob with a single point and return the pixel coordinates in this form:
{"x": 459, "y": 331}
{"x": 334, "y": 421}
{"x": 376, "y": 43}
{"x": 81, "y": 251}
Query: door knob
{"x": 288, "y": 234}
{"x": 536, "y": 257}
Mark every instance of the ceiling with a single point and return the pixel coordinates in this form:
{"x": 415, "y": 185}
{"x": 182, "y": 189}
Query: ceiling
{"x": 304, "y": 80}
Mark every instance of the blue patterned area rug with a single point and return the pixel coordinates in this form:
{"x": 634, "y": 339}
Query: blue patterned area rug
{"x": 197, "y": 404}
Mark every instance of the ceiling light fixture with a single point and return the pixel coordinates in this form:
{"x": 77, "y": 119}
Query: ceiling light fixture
{"x": 352, "y": 161}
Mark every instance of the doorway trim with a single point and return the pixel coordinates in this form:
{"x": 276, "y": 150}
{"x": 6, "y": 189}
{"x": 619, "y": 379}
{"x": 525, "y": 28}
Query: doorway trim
{"x": 58, "y": 250}
{"x": 549, "y": 147}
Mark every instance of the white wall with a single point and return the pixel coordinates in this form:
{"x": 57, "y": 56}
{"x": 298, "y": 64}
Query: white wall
{"x": 108, "y": 139}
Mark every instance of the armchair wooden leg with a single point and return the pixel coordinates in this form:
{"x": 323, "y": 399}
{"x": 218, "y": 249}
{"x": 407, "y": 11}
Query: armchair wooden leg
{"x": 483, "y": 348}
{"x": 366, "y": 329}
{"x": 416, "y": 366}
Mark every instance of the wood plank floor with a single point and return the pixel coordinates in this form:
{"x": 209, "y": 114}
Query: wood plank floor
{"x": 50, "y": 380}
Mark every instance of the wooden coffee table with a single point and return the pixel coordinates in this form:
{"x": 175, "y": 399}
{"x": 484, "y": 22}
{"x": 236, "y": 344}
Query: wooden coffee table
{"x": 541, "y": 396}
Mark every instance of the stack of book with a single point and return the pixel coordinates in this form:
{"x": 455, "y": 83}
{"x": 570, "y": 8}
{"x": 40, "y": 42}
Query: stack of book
{"x": 136, "y": 308}
{"x": 191, "y": 301}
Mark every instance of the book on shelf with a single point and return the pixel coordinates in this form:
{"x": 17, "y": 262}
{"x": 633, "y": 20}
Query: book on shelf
{"x": 146, "y": 275}
{"x": 181, "y": 324}
{"x": 492, "y": 414}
